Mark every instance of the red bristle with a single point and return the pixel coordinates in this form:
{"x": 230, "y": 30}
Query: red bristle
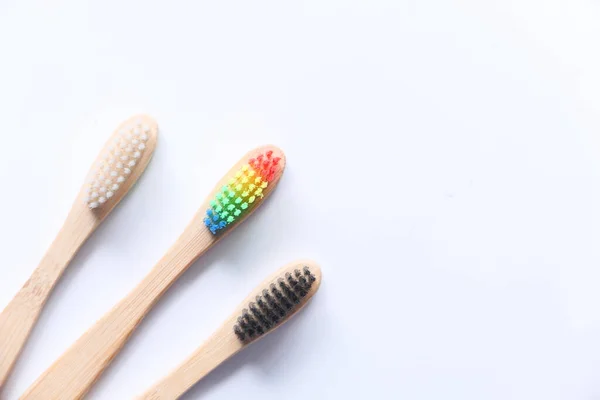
{"x": 266, "y": 164}
{"x": 276, "y": 160}
{"x": 269, "y": 153}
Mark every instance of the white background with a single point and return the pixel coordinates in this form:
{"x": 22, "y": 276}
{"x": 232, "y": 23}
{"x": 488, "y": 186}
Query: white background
{"x": 443, "y": 167}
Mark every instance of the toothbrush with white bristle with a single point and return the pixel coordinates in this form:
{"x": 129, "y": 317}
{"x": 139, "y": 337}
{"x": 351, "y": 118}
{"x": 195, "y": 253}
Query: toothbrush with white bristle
{"x": 120, "y": 164}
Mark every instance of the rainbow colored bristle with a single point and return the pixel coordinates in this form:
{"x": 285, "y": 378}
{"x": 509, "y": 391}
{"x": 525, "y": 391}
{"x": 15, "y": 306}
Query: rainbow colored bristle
{"x": 242, "y": 192}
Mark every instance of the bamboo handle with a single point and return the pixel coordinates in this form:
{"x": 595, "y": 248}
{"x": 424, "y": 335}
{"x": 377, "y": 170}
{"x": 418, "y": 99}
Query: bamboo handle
{"x": 74, "y": 373}
{"x": 21, "y": 314}
{"x": 209, "y": 356}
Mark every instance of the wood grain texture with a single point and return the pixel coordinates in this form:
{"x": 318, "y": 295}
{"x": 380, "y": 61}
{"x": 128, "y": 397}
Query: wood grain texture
{"x": 74, "y": 373}
{"x": 223, "y": 344}
{"x": 19, "y": 317}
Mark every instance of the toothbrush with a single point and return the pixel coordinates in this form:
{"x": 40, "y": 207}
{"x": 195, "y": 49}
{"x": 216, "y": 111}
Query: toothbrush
{"x": 117, "y": 168}
{"x": 235, "y": 197}
{"x": 269, "y": 306}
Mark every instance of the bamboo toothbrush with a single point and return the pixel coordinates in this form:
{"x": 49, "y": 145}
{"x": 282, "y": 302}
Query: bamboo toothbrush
{"x": 118, "y": 167}
{"x": 268, "y": 307}
{"x": 238, "y": 194}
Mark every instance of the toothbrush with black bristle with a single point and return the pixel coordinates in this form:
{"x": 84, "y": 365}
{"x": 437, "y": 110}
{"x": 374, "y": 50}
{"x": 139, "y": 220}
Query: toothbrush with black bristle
{"x": 243, "y": 189}
{"x": 269, "y": 306}
{"x": 119, "y": 165}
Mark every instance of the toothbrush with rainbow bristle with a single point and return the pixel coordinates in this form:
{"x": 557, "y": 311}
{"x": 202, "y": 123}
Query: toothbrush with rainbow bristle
{"x": 235, "y": 197}
{"x": 268, "y": 307}
{"x": 120, "y": 164}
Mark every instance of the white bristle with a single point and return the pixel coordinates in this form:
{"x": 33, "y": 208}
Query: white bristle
{"x": 123, "y": 154}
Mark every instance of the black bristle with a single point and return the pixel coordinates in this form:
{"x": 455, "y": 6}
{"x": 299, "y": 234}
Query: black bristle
{"x": 239, "y": 332}
{"x": 297, "y": 285}
{"x": 266, "y": 311}
{"x": 289, "y": 293}
{"x": 280, "y": 299}
{"x": 283, "y": 301}
{"x": 260, "y": 316}
{"x": 302, "y": 286}
{"x": 250, "y": 324}
{"x": 309, "y": 277}
{"x": 273, "y": 306}
{"x": 243, "y": 326}
{"x": 254, "y": 326}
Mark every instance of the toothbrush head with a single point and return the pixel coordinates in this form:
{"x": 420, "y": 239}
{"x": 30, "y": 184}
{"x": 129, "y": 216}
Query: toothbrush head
{"x": 121, "y": 162}
{"x": 277, "y": 300}
{"x": 243, "y": 191}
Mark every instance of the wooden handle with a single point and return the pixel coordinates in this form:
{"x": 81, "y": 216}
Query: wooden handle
{"x": 221, "y": 346}
{"x": 21, "y": 314}
{"x": 74, "y": 373}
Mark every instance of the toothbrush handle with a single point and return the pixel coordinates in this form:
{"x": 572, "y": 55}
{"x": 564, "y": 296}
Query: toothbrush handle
{"x": 75, "y": 372}
{"x": 20, "y": 315}
{"x": 218, "y": 348}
